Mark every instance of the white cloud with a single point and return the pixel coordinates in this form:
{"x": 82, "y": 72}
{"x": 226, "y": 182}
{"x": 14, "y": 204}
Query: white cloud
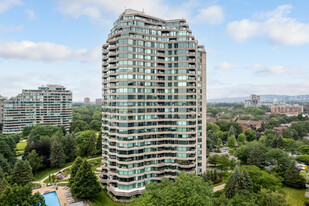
{"x": 275, "y": 26}
{"x": 7, "y": 29}
{"x": 99, "y": 9}
{"x": 30, "y": 14}
{"x": 242, "y": 30}
{"x": 225, "y": 66}
{"x": 273, "y": 70}
{"x": 46, "y": 51}
{"x": 211, "y": 15}
{"x": 7, "y": 4}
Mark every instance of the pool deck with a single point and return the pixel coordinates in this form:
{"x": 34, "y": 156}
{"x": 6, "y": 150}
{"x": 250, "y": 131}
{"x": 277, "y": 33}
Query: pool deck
{"x": 60, "y": 193}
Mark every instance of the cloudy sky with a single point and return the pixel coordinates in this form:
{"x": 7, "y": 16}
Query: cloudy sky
{"x": 252, "y": 46}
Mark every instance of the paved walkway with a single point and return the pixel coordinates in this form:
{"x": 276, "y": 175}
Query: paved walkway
{"x": 41, "y": 182}
{"x": 220, "y": 187}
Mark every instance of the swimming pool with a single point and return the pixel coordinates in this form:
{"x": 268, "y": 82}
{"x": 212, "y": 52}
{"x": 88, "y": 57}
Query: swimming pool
{"x": 51, "y": 199}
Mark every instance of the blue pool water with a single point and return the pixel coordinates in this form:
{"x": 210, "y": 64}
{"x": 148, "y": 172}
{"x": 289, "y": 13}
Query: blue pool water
{"x": 51, "y": 199}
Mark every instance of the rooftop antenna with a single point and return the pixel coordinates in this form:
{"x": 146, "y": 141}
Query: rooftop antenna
{"x": 143, "y": 10}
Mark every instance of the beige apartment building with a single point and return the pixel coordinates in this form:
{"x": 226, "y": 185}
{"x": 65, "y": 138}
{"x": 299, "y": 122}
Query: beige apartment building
{"x": 154, "y": 103}
{"x": 288, "y": 109}
{"x": 47, "y": 105}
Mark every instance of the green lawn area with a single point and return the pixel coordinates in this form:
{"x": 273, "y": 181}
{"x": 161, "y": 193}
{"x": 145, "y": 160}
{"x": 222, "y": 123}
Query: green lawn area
{"x": 93, "y": 166}
{"x": 295, "y": 197}
{"x": 103, "y": 200}
{"x": 47, "y": 171}
{"x": 20, "y": 147}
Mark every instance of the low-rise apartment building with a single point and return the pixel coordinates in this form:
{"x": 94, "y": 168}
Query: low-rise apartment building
{"x": 47, "y": 105}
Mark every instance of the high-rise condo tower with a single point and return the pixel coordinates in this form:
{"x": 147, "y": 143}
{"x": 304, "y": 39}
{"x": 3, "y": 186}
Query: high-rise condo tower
{"x": 154, "y": 103}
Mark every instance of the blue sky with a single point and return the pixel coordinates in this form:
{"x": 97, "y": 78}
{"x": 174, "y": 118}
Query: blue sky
{"x": 252, "y": 46}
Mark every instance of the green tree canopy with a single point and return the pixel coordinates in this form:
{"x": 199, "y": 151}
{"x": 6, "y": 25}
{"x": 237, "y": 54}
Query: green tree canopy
{"x": 85, "y": 184}
{"x": 187, "y": 189}
{"x": 95, "y": 125}
{"x": 36, "y": 161}
{"x": 250, "y": 135}
{"x": 74, "y": 169}
{"x": 22, "y": 174}
{"x": 86, "y": 142}
{"x": 231, "y": 141}
{"x": 241, "y": 139}
{"x": 262, "y": 179}
{"x": 57, "y": 155}
{"x": 21, "y": 196}
{"x": 271, "y": 198}
{"x": 293, "y": 177}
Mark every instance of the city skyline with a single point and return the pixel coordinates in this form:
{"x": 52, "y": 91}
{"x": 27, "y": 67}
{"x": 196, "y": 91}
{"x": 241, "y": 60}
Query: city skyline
{"x": 59, "y": 42}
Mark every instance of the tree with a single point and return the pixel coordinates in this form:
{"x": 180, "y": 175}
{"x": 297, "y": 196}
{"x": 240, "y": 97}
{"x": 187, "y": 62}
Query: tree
{"x": 278, "y": 158}
{"x": 42, "y": 148}
{"x": 86, "y": 142}
{"x": 3, "y": 181}
{"x": 293, "y": 177}
{"x": 22, "y": 174}
{"x": 303, "y": 159}
{"x": 26, "y": 131}
{"x": 214, "y": 159}
{"x": 262, "y": 179}
{"x": 187, "y": 189}
{"x": 223, "y": 162}
{"x": 231, "y": 141}
{"x": 246, "y": 181}
{"x": 99, "y": 143}
{"x": 252, "y": 153}
{"x": 22, "y": 196}
{"x": 241, "y": 139}
{"x": 271, "y": 198}
{"x": 250, "y": 135}
{"x": 79, "y": 125}
{"x": 74, "y": 169}
{"x": 219, "y": 142}
{"x": 35, "y": 161}
{"x": 231, "y": 131}
{"x": 233, "y": 163}
{"x": 95, "y": 125}
{"x": 304, "y": 149}
{"x": 39, "y": 131}
{"x": 85, "y": 184}
{"x": 7, "y": 153}
{"x": 291, "y": 145}
{"x": 234, "y": 184}
{"x": 57, "y": 155}
{"x": 71, "y": 147}
{"x": 4, "y": 165}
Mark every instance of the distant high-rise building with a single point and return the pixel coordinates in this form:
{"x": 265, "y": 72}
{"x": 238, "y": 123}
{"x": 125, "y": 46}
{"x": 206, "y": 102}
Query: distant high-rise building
{"x": 154, "y": 103}
{"x": 98, "y": 101}
{"x": 47, "y": 105}
{"x": 87, "y": 100}
{"x": 255, "y": 101}
{"x": 1, "y": 108}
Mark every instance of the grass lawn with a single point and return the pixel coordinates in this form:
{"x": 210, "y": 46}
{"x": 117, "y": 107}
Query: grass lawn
{"x": 20, "y": 147}
{"x": 93, "y": 166}
{"x": 47, "y": 171}
{"x": 103, "y": 200}
{"x": 295, "y": 197}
